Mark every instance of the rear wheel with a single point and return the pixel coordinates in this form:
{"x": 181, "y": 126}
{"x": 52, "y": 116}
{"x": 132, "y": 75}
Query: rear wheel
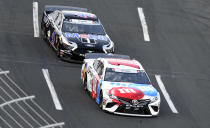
{"x": 44, "y": 35}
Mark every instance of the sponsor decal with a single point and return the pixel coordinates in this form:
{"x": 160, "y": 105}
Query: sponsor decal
{"x": 85, "y": 15}
{"x": 126, "y": 92}
{"x": 79, "y": 21}
{"x": 145, "y": 88}
{"x": 90, "y": 36}
{"x": 84, "y": 36}
{"x": 72, "y": 35}
{"x": 90, "y": 45}
{"x": 83, "y": 72}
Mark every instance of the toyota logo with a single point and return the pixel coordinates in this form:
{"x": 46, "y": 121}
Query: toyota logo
{"x": 135, "y": 102}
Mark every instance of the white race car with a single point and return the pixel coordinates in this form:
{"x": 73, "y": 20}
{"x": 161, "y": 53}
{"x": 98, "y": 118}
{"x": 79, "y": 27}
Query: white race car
{"x": 119, "y": 85}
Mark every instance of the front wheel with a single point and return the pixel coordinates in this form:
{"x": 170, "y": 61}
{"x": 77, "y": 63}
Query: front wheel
{"x": 58, "y": 49}
{"x": 85, "y": 83}
{"x": 101, "y": 100}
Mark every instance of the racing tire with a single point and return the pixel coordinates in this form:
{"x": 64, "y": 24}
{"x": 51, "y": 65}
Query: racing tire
{"x": 58, "y": 50}
{"x": 85, "y": 83}
{"x": 101, "y": 100}
{"x": 44, "y": 35}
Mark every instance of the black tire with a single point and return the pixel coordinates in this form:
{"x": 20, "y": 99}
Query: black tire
{"x": 58, "y": 49}
{"x": 101, "y": 100}
{"x": 85, "y": 83}
{"x": 44, "y": 34}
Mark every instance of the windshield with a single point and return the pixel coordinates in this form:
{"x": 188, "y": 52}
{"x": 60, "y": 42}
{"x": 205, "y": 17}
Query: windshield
{"x": 134, "y": 76}
{"x": 83, "y": 28}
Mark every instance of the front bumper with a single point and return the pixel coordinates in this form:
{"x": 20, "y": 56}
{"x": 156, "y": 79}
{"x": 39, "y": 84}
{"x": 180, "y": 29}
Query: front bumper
{"x": 147, "y": 110}
{"x": 82, "y": 52}
{"x": 128, "y": 114}
{"x": 78, "y": 52}
{"x": 68, "y": 56}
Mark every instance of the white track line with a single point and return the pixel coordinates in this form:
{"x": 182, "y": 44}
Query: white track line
{"x": 5, "y": 122}
{"x": 23, "y": 101}
{"x": 35, "y": 19}
{"x": 30, "y": 106}
{"x": 165, "y": 93}
{"x": 143, "y": 24}
{"x": 52, "y": 89}
{"x": 24, "y": 93}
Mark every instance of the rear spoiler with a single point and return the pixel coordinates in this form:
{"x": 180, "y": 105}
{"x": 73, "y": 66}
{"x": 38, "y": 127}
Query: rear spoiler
{"x": 103, "y": 55}
{"x": 50, "y": 8}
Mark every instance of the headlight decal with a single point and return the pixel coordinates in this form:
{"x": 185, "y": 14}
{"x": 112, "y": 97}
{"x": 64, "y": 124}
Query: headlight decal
{"x": 155, "y": 98}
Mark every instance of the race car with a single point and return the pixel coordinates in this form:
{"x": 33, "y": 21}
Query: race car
{"x": 119, "y": 85}
{"x": 74, "y": 31}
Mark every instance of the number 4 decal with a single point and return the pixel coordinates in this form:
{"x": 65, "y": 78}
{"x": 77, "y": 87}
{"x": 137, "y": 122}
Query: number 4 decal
{"x": 127, "y": 90}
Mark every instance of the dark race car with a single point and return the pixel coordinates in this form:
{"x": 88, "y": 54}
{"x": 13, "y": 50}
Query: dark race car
{"x": 74, "y": 31}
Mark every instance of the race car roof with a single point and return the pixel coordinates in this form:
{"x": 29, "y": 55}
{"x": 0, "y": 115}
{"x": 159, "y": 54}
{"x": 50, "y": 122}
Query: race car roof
{"x": 79, "y": 15}
{"x": 113, "y": 62}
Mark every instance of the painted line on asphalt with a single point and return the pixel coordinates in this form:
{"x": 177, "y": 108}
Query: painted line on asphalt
{"x": 35, "y": 19}
{"x": 52, "y": 89}
{"x": 165, "y": 94}
{"x": 143, "y": 24}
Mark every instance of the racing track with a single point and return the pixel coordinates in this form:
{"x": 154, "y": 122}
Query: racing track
{"x": 178, "y": 50}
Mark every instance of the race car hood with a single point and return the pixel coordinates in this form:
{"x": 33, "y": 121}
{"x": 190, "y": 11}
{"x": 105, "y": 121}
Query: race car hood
{"x": 89, "y": 41}
{"x": 129, "y": 90}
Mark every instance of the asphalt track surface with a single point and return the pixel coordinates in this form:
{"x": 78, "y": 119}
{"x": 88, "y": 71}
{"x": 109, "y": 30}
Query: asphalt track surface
{"x": 178, "y": 51}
